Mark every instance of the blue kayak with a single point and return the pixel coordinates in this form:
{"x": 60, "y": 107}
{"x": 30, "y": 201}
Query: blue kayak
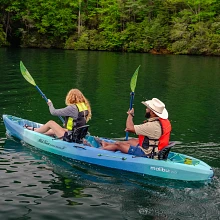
{"x": 176, "y": 166}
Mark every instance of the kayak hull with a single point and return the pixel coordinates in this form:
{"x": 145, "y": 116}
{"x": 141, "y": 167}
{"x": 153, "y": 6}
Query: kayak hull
{"x": 173, "y": 168}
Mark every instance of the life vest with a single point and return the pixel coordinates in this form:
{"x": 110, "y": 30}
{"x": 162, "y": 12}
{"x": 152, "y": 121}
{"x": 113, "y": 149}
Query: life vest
{"x": 72, "y": 124}
{"x": 162, "y": 142}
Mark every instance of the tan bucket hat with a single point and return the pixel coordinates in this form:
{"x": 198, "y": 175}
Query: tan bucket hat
{"x": 157, "y": 107}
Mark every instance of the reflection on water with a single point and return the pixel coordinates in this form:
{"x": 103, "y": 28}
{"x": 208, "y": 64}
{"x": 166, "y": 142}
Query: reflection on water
{"x": 36, "y": 185}
{"x": 31, "y": 185}
{"x": 41, "y": 185}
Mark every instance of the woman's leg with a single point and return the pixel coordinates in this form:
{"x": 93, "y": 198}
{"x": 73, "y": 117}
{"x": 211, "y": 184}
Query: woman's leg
{"x": 51, "y": 125}
{"x": 49, "y": 133}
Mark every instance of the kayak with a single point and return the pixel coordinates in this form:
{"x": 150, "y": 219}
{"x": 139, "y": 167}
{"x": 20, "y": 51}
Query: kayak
{"x": 176, "y": 166}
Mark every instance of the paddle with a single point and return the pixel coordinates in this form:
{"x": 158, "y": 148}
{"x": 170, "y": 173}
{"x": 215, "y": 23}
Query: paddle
{"x": 132, "y": 85}
{"x": 29, "y": 78}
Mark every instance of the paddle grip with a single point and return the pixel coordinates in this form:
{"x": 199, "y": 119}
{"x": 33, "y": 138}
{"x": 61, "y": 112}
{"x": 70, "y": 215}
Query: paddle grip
{"x": 45, "y": 98}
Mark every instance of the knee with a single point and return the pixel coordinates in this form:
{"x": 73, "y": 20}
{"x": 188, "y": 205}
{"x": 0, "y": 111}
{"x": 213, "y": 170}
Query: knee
{"x": 123, "y": 146}
{"x": 51, "y": 122}
{"x": 120, "y": 146}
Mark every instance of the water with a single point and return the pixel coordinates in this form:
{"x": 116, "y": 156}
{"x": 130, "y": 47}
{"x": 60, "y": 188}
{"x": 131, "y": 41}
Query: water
{"x": 37, "y": 185}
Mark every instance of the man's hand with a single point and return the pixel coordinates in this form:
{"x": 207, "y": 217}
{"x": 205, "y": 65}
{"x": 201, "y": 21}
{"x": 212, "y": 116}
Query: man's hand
{"x": 131, "y": 112}
{"x": 129, "y": 122}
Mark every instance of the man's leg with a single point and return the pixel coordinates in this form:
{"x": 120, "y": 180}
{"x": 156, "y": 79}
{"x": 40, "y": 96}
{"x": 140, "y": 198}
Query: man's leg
{"x": 121, "y": 146}
{"x": 132, "y": 142}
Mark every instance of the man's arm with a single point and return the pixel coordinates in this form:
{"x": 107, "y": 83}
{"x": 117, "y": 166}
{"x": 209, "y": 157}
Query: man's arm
{"x": 129, "y": 122}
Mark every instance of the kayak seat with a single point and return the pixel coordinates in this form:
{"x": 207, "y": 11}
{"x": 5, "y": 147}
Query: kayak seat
{"x": 162, "y": 154}
{"x": 77, "y": 135}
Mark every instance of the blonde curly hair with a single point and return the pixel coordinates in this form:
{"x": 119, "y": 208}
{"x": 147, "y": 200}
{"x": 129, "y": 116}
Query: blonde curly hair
{"x": 75, "y": 96}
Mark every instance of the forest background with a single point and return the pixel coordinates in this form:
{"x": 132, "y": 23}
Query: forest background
{"x": 152, "y": 26}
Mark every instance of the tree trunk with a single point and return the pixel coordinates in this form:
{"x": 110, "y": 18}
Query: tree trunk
{"x": 79, "y": 18}
{"x": 7, "y": 26}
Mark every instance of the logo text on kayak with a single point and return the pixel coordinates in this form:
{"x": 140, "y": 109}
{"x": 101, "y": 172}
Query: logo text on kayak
{"x": 162, "y": 169}
{"x": 49, "y": 144}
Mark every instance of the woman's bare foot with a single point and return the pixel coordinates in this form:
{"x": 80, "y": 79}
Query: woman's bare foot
{"x": 29, "y": 127}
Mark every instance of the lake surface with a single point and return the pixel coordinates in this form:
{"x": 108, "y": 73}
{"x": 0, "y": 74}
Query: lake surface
{"x": 37, "y": 185}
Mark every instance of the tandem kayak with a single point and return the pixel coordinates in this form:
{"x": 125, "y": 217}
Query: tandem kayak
{"x": 176, "y": 166}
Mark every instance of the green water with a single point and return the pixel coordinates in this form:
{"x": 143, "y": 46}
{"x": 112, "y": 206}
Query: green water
{"x": 35, "y": 185}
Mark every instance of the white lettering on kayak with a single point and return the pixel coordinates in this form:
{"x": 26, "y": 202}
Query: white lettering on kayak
{"x": 49, "y": 144}
{"x": 162, "y": 169}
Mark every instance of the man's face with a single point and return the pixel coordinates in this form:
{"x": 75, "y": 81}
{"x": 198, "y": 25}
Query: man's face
{"x": 147, "y": 115}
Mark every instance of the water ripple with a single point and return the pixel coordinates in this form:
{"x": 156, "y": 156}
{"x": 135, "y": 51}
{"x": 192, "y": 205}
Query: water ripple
{"x": 46, "y": 186}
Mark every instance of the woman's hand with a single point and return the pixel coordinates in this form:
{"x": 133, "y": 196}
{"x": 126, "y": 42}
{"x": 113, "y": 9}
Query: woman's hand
{"x": 49, "y": 102}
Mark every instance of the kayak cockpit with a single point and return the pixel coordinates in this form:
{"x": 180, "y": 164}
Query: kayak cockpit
{"x": 75, "y": 136}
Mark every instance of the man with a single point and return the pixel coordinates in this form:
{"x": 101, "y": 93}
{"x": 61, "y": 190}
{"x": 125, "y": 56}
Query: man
{"x": 154, "y": 134}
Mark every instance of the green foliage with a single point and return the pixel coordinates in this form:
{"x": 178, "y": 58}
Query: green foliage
{"x": 54, "y": 18}
{"x": 109, "y": 16}
{"x": 180, "y": 26}
{"x": 214, "y": 37}
{"x": 133, "y": 39}
{"x": 89, "y": 40}
{"x": 199, "y": 42}
{"x": 157, "y": 32}
{"x": 199, "y": 38}
{"x": 180, "y": 35}
{"x": 96, "y": 40}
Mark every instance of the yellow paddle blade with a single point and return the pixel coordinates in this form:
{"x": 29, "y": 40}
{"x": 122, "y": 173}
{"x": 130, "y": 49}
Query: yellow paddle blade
{"x": 134, "y": 79}
{"x": 26, "y": 74}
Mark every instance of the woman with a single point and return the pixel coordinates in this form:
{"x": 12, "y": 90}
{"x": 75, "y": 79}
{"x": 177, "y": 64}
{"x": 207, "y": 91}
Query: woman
{"x": 77, "y": 113}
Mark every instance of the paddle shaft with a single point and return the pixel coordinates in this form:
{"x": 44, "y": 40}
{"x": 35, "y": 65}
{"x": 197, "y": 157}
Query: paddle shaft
{"x": 131, "y": 100}
{"x": 131, "y": 103}
{"x": 43, "y": 95}
{"x": 46, "y": 99}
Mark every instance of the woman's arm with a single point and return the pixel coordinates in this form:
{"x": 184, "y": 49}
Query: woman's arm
{"x": 70, "y": 110}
